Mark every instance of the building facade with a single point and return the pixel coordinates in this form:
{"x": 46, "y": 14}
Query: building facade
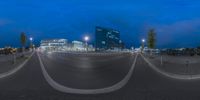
{"x": 64, "y": 45}
{"x": 78, "y": 46}
{"x": 107, "y": 39}
{"x": 53, "y": 44}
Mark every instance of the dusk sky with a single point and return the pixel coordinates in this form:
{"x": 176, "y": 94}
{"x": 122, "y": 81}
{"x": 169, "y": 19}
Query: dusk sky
{"x": 177, "y": 22}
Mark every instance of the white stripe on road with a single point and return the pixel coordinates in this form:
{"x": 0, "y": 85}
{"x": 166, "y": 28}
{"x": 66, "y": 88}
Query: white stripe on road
{"x": 10, "y": 72}
{"x": 171, "y": 75}
{"x": 66, "y": 89}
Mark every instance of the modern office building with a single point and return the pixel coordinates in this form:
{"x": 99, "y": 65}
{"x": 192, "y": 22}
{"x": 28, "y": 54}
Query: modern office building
{"x": 64, "y": 45}
{"x": 53, "y": 44}
{"x": 107, "y": 39}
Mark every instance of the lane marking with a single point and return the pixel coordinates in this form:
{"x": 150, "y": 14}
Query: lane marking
{"x": 171, "y": 75}
{"x": 12, "y": 71}
{"x": 66, "y": 89}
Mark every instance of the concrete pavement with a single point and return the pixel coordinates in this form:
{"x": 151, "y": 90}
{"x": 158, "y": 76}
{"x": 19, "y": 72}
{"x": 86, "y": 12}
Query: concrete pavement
{"x": 185, "y": 72}
{"x": 8, "y": 69}
{"x": 144, "y": 84}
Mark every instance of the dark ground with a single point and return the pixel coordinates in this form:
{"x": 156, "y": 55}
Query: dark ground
{"x": 182, "y": 65}
{"x": 7, "y": 61}
{"x": 88, "y": 72}
{"x": 145, "y": 84}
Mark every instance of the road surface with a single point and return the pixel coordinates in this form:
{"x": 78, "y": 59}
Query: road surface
{"x": 145, "y": 84}
{"x": 87, "y": 72}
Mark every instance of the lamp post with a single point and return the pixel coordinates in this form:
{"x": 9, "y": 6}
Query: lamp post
{"x": 86, "y": 38}
{"x": 31, "y": 44}
{"x": 143, "y": 42}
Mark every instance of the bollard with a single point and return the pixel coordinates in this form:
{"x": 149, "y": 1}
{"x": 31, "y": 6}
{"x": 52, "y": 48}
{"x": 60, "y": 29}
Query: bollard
{"x": 189, "y": 68}
{"x": 187, "y": 65}
{"x": 14, "y": 58}
{"x": 161, "y": 60}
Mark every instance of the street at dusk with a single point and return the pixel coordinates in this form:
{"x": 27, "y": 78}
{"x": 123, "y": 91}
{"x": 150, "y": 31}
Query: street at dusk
{"x": 29, "y": 83}
{"x": 99, "y": 50}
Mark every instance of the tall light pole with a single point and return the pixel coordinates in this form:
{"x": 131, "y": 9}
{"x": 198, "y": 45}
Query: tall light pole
{"x": 86, "y": 38}
{"x": 143, "y": 42}
{"x": 31, "y": 42}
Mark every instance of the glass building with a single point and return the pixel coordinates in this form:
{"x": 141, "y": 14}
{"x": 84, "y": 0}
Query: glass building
{"x": 107, "y": 39}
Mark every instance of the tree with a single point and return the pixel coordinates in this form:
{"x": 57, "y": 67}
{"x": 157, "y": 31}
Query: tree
{"x": 151, "y": 39}
{"x": 23, "y": 40}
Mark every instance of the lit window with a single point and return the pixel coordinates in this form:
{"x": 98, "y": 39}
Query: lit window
{"x": 103, "y": 42}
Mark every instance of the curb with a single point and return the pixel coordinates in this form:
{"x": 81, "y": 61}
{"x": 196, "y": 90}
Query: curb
{"x": 10, "y": 72}
{"x": 171, "y": 75}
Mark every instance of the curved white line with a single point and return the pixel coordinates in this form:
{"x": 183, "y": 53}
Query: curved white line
{"x": 66, "y": 89}
{"x": 10, "y": 72}
{"x": 171, "y": 75}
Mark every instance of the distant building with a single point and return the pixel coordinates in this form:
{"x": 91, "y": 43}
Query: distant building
{"x": 53, "y": 44}
{"x": 107, "y": 39}
{"x": 63, "y": 45}
{"x": 78, "y": 46}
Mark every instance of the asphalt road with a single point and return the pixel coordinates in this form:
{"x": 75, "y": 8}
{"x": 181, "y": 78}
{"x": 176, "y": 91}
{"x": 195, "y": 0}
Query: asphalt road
{"x": 88, "y": 72}
{"x": 145, "y": 84}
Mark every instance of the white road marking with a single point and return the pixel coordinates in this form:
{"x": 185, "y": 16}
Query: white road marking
{"x": 10, "y": 72}
{"x": 171, "y": 75}
{"x": 66, "y": 89}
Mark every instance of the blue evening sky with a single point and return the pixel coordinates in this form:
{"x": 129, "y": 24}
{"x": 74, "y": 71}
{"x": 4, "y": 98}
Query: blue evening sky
{"x": 177, "y": 22}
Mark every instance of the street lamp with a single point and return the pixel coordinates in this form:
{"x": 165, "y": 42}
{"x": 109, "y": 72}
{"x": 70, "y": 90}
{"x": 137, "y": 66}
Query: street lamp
{"x": 86, "y": 38}
{"x": 143, "y": 41}
{"x": 31, "y": 40}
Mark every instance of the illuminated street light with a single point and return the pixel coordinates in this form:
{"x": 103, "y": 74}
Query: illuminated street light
{"x": 86, "y": 38}
{"x": 31, "y": 39}
{"x": 31, "y": 44}
{"x": 143, "y": 41}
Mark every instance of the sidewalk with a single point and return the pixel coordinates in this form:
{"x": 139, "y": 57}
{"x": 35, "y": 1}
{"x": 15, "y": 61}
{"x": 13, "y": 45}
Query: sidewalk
{"x": 7, "y": 61}
{"x": 182, "y": 65}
